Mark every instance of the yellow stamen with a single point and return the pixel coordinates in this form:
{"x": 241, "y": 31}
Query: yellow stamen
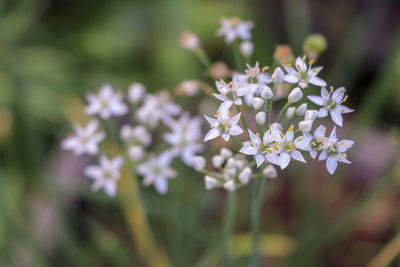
{"x": 331, "y": 89}
{"x": 311, "y": 62}
{"x": 265, "y": 68}
{"x": 275, "y": 146}
{"x": 291, "y": 128}
{"x": 304, "y": 58}
{"x": 288, "y": 65}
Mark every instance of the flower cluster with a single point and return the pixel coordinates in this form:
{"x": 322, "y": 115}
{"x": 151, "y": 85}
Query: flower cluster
{"x": 249, "y": 97}
{"x": 135, "y": 140}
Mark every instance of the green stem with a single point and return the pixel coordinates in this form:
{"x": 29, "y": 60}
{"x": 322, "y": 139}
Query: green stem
{"x": 228, "y": 228}
{"x": 237, "y": 141}
{"x": 266, "y": 112}
{"x": 202, "y": 56}
{"x": 241, "y": 118}
{"x": 285, "y": 107}
{"x": 237, "y": 56}
{"x": 258, "y": 189}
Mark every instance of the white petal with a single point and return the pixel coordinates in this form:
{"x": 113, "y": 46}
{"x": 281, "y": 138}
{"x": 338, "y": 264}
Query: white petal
{"x": 213, "y": 133}
{"x": 316, "y": 99}
{"x": 331, "y": 164}
{"x": 248, "y": 150}
{"x": 161, "y": 185}
{"x": 289, "y": 78}
{"x": 235, "y": 119}
{"x": 332, "y": 136}
{"x": 235, "y": 130}
{"x": 323, "y": 112}
{"x": 259, "y": 159}
{"x": 297, "y": 156}
{"x": 322, "y": 156}
{"x": 284, "y": 160}
{"x": 110, "y": 187}
{"x": 337, "y": 117}
{"x": 344, "y": 109}
{"x": 317, "y": 81}
{"x": 254, "y": 138}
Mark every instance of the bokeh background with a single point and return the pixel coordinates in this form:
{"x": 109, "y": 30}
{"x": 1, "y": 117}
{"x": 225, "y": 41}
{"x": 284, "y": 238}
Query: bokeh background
{"x": 54, "y": 51}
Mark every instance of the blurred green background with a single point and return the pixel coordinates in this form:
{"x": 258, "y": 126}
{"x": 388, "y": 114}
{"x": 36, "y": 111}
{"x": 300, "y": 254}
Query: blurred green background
{"x": 54, "y": 51}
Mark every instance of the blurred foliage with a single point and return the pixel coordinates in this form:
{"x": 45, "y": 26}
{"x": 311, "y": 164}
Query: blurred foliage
{"x": 53, "y": 51}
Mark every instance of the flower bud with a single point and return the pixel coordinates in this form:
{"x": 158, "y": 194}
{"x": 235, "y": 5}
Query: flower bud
{"x": 301, "y": 110}
{"x": 244, "y": 176}
{"x": 188, "y": 88}
{"x": 314, "y": 45}
{"x": 278, "y": 75}
{"x": 257, "y": 102}
{"x": 246, "y": 48}
{"x": 240, "y": 164}
{"x": 231, "y": 163}
{"x": 210, "y": 182}
{"x": 217, "y": 161}
{"x": 266, "y": 93}
{"x": 225, "y": 153}
{"x": 306, "y": 126}
{"x": 230, "y": 173}
{"x": 295, "y": 95}
{"x": 199, "y": 163}
{"x": 229, "y": 185}
{"x": 135, "y": 153}
{"x": 189, "y": 40}
{"x": 125, "y": 132}
{"x": 283, "y": 54}
{"x": 311, "y": 114}
{"x": 136, "y": 92}
{"x": 260, "y": 117}
{"x": 270, "y": 172}
{"x": 290, "y": 112}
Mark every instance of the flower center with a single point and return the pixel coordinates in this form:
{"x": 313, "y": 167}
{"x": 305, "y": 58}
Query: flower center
{"x": 303, "y": 75}
{"x": 316, "y": 145}
{"x": 330, "y": 104}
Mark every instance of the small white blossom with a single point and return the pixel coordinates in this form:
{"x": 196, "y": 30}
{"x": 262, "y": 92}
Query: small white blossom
{"x": 260, "y": 117}
{"x": 230, "y": 185}
{"x": 295, "y": 95}
{"x": 135, "y": 135}
{"x": 290, "y": 112}
{"x": 185, "y": 137}
{"x": 136, "y": 92}
{"x": 223, "y": 125}
{"x": 106, "y": 174}
{"x": 210, "y": 182}
{"x": 136, "y": 153}
{"x": 278, "y": 76}
{"x": 288, "y": 148}
{"x": 258, "y": 102}
{"x": 235, "y": 28}
{"x": 332, "y": 102}
{"x": 190, "y": 40}
{"x": 228, "y": 93}
{"x": 217, "y": 161}
{"x": 301, "y": 110}
{"x": 303, "y": 75}
{"x": 199, "y": 163}
{"x": 335, "y": 152}
{"x": 157, "y": 171}
{"x": 85, "y": 140}
{"x": 225, "y": 153}
{"x": 245, "y": 175}
{"x": 270, "y": 172}
{"x": 305, "y": 126}
{"x": 317, "y": 142}
{"x": 189, "y": 87}
{"x": 106, "y": 103}
{"x": 246, "y": 48}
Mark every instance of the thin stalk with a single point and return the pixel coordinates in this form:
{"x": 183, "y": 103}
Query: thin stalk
{"x": 237, "y": 141}
{"x": 258, "y": 190}
{"x": 228, "y": 228}
{"x": 241, "y": 118}
{"x": 266, "y": 112}
{"x": 237, "y": 57}
{"x": 285, "y": 107}
{"x": 202, "y": 56}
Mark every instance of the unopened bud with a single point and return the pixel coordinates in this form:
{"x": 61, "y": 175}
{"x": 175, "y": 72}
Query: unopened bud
{"x": 314, "y": 45}
{"x": 136, "y": 92}
{"x": 301, "y": 110}
{"x": 210, "y": 182}
{"x": 258, "y": 102}
{"x": 244, "y": 176}
{"x": 290, "y": 112}
{"x": 266, "y": 92}
{"x": 311, "y": 114}
{"x": 217, "y": 161}
{"x": 246, "y": 48}
{"x": 135, "y": 153}
{"x": 270, "y": 172}
{"x": 306, "y": 126}
{"x": 278, "y": 75}
{"x": 283, "y": 54}
{"x": 229, "y": 185}
{"x": 295, "y": 95}
{"x": 225, "y": 153}
{"x": 260, "y": 117}
{"x": 199, "y": 163}
{"x": 189, "y": 40}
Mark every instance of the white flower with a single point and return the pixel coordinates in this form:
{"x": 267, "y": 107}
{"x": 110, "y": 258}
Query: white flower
{"x": 230, "y": 185}
{"x": 235, "y": 28}
{"x": 258, "y": 102}
{"x": 295, "y": 95}
{"x": 301, "y": 110}
{"x": 189, "y": 87}
{"x": 265, "y": 149}
{"x": 317, "y": 142}
{"x": 189, "y": 40}
{"x": 217, "y": 161}
{"x": 210, "y": 182}
{"x": 228, "y": 93}
{"x": 278, "y": 76}
{"x": 136, "y": 92}
{"x": 290, "y": 112}
{"x": 270, "y": 172}
{"x": 246, "y": 48}
{"x": 288, "y": 148}
{"x": 306, "y": 126}
{"x": 245, "y": 175}
{"x": 332, "y": 102}
{"x": 155, "y": 108}
{"x": 199, "y": 163}
{"x": 106, "y": 103}
{"x": 335, "y": 151}
{"x": 303, "y": 75}
{"x": 106, "y": 174}
{"x": 135, "y": 153}
{"x": 311, "y": 114}
{"x": 136, "y": 135}
{"x": 185, "y": 137}
{"x": 157, "y": 171}
{"x": 260, "y": 117}
{"x": 223, "y": 125}
{"x": 85, "y": 140}
{"x": 225, "y": 153}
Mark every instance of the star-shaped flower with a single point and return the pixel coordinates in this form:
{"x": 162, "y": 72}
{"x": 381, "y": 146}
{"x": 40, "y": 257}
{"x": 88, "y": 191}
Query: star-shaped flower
{"x": 85, "y": 140}
{"x": 332, "y": 102}
{"x": 335, "y": 151}
{"x": 235, "y": 28}
{"x": 288, "y": 148}
{"x": 223, "y": 124}
{"x": 106, "y": 103}
{"x": 106, "y": 174}
{"x": 303, "y": 74}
